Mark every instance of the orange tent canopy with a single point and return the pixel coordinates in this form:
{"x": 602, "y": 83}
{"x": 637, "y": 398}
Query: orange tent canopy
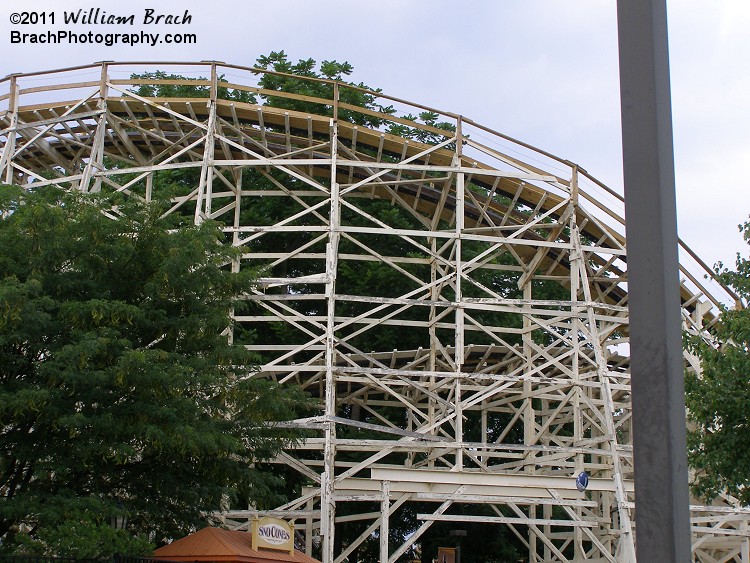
{"x": 215, "y": 544}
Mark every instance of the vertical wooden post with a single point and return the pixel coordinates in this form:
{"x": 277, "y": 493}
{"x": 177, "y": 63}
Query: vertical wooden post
{"x": 529, "y": 417}
{"x": 103, "y": 80}
{"x": 385, "y": 515}
{"x": 214, "y": 82}
{"x": 434, "y": 293}
{"x": 328, "y": 506}
{"x": 309, "y": 528}
{"x": 205, "y": 185}
{"x": 291, "y": 541}
{"x": 96, "y": 157}
{"x": 13, "y": 95}
{"x": 459, "y": 334}
{"x": 254, "y": 533}
{"x": 335, "y": 101}
{"x": 6, "y": 159}
{"x": 576, "y": 263}
{"x": 149, "y": 187}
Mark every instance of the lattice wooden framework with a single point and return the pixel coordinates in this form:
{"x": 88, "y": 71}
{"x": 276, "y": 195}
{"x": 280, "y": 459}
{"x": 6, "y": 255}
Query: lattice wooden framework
{"x": 500, "y": 268}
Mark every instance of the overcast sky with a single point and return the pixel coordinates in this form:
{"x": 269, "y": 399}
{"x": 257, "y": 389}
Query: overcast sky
{"x": 543, "y": 71}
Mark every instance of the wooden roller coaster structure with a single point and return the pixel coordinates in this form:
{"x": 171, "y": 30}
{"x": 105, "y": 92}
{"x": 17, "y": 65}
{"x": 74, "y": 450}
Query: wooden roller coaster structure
{"x": 500, "y": 269}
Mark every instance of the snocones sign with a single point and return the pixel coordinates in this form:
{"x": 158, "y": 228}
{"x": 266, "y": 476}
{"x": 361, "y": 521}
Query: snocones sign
{"x": 272, "y": 533}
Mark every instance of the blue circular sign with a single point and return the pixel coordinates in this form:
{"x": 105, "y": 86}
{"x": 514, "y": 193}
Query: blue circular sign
{"x": 582, "y": 481}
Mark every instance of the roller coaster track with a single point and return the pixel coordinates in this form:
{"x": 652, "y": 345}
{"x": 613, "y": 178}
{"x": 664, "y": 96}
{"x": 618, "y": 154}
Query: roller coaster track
{"x": 500, "y": 390}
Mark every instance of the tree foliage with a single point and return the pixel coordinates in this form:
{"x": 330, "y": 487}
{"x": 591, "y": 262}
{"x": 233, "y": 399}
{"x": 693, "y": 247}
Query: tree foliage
{"x": 155, "y": 88}
{"x": 119, "y": 390}
{"x": 718, "y": 400}
{"x": 320, "y": 87}
{"x": 305, "y": 79}
{"x": 83, "y": 533}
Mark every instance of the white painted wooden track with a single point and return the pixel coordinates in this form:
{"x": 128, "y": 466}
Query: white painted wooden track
{"x": 503, "y": 395}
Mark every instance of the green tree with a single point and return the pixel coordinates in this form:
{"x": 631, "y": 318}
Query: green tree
{"x": 319, "y": 87}
{"x": 119, "y": 390}
{"x": 82, "y": 534}
{"x": 718, "y": 400}
{"x": 198, "y": 90}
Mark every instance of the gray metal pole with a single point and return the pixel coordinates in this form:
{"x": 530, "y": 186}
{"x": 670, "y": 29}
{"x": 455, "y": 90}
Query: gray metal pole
{"x": 661, "y": 478}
